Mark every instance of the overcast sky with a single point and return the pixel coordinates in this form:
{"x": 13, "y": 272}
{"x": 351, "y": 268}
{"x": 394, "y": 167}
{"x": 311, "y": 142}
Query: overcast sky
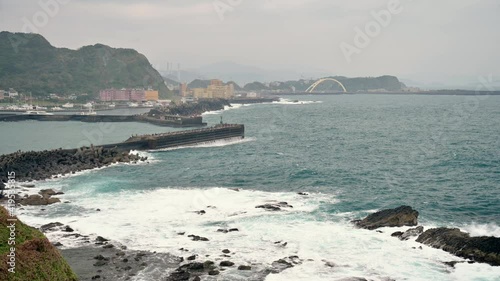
{"x": 424, "y": 39}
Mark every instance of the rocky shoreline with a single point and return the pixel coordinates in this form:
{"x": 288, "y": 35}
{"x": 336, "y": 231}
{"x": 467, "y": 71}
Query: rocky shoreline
{"x": 484, "y": 249}
{"x": 191, "y": 109}
{"x": 101, "y": 258}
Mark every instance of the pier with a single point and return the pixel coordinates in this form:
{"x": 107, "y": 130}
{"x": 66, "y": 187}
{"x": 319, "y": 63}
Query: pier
{"x": 166, "y": 120}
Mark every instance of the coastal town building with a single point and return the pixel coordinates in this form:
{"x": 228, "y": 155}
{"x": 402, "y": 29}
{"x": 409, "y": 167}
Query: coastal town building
{"x": 152, "y": 95}
{"x": 2, "y": 94}
{"x": 128, "y": 95}
{"x": 13, "y": 93}
{"x": 183, "y": 89}
{"x": 216, "y": 90}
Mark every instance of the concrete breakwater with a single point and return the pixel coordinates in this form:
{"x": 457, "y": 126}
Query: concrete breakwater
{"x": 183, "y": 138}
{"x": 33, "y": 165}
{"x": 40, "y": 165}
{"x": 165, "y": 120}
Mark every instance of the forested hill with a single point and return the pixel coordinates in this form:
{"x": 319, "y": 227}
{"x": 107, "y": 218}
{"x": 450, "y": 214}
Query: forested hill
{"x": 29, "y": 63}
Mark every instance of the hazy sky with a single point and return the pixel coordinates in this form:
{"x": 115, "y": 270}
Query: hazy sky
{"x": 424, "y": 39}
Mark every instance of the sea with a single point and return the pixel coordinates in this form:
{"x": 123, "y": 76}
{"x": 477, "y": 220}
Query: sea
{"x": 352, "y": 155}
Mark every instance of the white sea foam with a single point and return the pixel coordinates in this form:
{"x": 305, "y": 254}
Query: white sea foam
{"x": 282, "y": 101}
{"x": 476, "y": 229}
{"x": 152, "y": 220}
{"x": 294, "y": 102}
{"x": 217, "y": 143}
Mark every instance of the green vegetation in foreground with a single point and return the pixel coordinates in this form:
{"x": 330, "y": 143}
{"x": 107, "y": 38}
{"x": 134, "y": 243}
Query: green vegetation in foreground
{"x": 36, "y": 258}
{"x": 29, "y": 63}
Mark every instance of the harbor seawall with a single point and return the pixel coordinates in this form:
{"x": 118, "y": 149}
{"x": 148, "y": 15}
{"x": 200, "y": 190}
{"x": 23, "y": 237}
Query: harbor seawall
{"x": 168, "y": 121}
{"x": 183, "y": 138}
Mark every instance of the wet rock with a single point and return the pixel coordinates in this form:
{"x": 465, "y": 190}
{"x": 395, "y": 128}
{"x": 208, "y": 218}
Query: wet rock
{"x": 397, "y": 234}
{"x": 49, "y": 192}
{"x": 411, "y": 233}
{"x": 37, "y": 200}
{"x": 101, "y": 239}
{"x": 303, "y": 193}
{"x": 58, "y": 244}
{"x": 50, "y": 226}
{"x": 213, "y": 272}
{"x": 100, "y": 263}
{"x": 233, "y": 229}
{"x": 226, "y": 251}
{"x": 480, "y": 249}
{"x": 101, "y": 258}
{"x": 452, "y": 263}
{"x": 226, "y": 263}
{"x": 197, "y": 238}
{"x": 244, "y": 267}
{"x": 179, "y": 276}
{"x": 108, "y": 246}
{"x": 274, "y": 206}
{"x": 202, "y": 212}
{"x": 352, "y": 279}
{"x": 191, "y": 258}
{"x": 401, "y": 216}
{"x": 68, "y": 229}
{"x": 285, "y": 263}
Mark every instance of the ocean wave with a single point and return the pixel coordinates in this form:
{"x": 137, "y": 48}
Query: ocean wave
{"x": 152, "y": 220}
{"x": 478, "y": 229}
{"x": 217, "y": 143}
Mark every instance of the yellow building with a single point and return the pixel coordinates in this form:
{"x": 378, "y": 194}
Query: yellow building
{"x": 151, "y": 95}
{"x": 217, "y": 90}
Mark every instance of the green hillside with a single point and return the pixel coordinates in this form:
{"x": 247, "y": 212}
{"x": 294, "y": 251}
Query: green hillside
{"x": 36, "y": 259}
{"x": 29, "y": 63}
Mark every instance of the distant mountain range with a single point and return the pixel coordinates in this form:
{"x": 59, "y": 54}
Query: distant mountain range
{"x": 389, "y": 83}
{"x": 239, "y": 73}
{"x": 29, "y": 63}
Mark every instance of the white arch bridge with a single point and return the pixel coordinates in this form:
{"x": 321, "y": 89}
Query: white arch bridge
{"x": 320, "y": 81}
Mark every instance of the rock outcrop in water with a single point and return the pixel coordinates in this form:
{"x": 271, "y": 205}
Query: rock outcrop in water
{"x": 401, "y": 216}
{"x": 36, "y": 258}
{"x": 191, "y": 109}
{"x": 480, "y": 249}
{"x": 39, "y": 165}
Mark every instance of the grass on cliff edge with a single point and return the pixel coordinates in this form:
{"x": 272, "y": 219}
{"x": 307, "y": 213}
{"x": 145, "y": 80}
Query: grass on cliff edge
{"x": 36, "y": 258}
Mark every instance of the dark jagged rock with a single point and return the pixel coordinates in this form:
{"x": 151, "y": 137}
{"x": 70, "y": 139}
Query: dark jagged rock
{"x": 397, "y": 234}
{"x": 50, "y": 226}
{"x": 285, "y": 263}
{"x": 401, "y": 216}
{"x": 244, "y": 267}
{"x": 198, "y": 238}
{"x": 412, "y": 232}
{"x": 68, "y": 229}
{"x": 101, "y": 239}
{"x": 37, "y": 200}
{"x": 213, "y": 272}
{"x": 274, "y": 206}
{"x": 226, "y": 263}
{"x": 49, "y": 192}
{"x": 190, "y": 109}
{"x": 480, "y": 249}
{"x": 452, "y": 263}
